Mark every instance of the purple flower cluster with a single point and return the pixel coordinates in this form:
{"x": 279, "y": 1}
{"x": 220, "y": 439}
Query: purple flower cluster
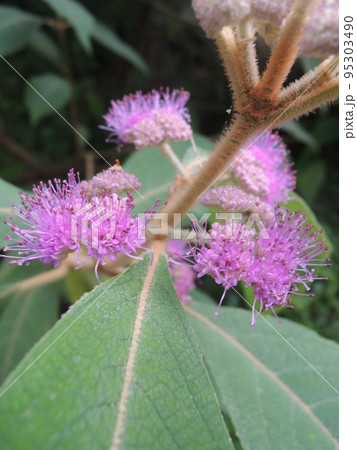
{"x": 43, "y": 222}
{"x": 60, "y": 218}
{"x": 262, "y": 176}
{"x": 111, "y": 181}
{"x": 275, "y": 263}
{"x": 150, "y": 119}
{"x": 228, "y": 257}
{"x": 233, "y": 199}
{"x": 262, "y": 169}
{"x": 213, "y": 15}
{"x": 183, "y": 275}
{"x": 284, "y": 260}
{"x": 320, "y": 34}
{"x": 229, "y": 198}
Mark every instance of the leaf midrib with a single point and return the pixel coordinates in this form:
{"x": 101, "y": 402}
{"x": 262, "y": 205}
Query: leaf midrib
{"x": 134, "y": 346}
{"x": 255, "y": 361}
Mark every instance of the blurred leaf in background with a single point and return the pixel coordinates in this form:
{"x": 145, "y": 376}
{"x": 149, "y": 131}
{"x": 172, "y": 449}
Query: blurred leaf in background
{"x": 53, "y": 88}
{"x": 78, "y": 16}
{"x": 26, "y": 318}
{"x": 16, "y": 27}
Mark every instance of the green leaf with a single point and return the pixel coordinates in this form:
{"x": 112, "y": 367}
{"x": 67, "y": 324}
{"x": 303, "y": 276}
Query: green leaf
{"x": 12, "y": 274}
{"x": 295, "y": 130}
{"x": 26, "y": 318}
{"x": 311, "y": 179}
{"x": 309, "y": 63}
{"x": 274, "y": 398}
{"x": 54, "y": 89}
{"x": 123, "y": 358}
{"x": 43, "y": 44}
{"x": 16, "y": 27}
{"x": 106, "y": 37}
{"x": 78, "y": 282}
{"x": 78, "y": 16}
{"x": 326, "y": 131}
{"x": 9, "y": 195}
{"x": 156, "y": 174}
{"x": 201, "y": 297}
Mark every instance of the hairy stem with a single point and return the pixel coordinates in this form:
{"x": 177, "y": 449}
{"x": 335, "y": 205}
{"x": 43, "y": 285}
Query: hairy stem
{"x": 286, "y": 50}
{"x": 245, "y": 35}
{"x": 307, "y": 103}
{"x": 243, "y": 127}
{"x": 239, "y": 57}
{"x": 227, "y": 47}
{"x": 240, "y": 131}
{"x": 312, "y": 79}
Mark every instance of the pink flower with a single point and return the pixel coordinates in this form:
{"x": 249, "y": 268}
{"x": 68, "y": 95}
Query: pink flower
{"x": 285, "y": 260}
{"x": 320, "y": 34}
{"x": 275, "y": 263}
{"x": 43, "y": 222}
{"x": 229, "y": 198}
{"x": 111, "y": 181}
{"x": 229, "y": 255}
{"x": 320, "y": 37}
{"x": 150, "y": 119}
{"x": 60, "y": 218}
{"x": 232, "y": 199}
{"x": 107, "y": 228}
{"x": 213, "y": 15}
{"x": 183, "y": 275}
{"x": 262, "y": 169}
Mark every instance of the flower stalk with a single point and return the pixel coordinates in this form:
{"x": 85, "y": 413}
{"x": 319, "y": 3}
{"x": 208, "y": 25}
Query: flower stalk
{"x": 186, "y": 195}
{"x": 167, "y": 151}
{"x": 245, "y": 37}
{"x": 238, "y": 53}
{"x": 309, "y": 81}
{"x": 325, "y": 93}
{"x": 287, "y": 48}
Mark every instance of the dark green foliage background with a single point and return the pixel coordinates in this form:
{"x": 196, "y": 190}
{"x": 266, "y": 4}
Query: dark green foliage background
{"x": 166, "y": 35}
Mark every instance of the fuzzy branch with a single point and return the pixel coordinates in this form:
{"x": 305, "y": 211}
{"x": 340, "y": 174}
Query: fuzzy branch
{"x": 239, "y": 57}
{"x": 259, "y": 105}
{"x": 286, "y": 49}
{"x": 311, "y": 80}
{"x": 307, "y": 103}
{"x": 228, "y": 50}
{"x": 240, "y": 131}
{"x": 245, "y": 36}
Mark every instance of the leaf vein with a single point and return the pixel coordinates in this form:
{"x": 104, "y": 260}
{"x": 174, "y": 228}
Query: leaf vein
{"x": 130, "y": 366}
{"x": 266, "y": 370}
